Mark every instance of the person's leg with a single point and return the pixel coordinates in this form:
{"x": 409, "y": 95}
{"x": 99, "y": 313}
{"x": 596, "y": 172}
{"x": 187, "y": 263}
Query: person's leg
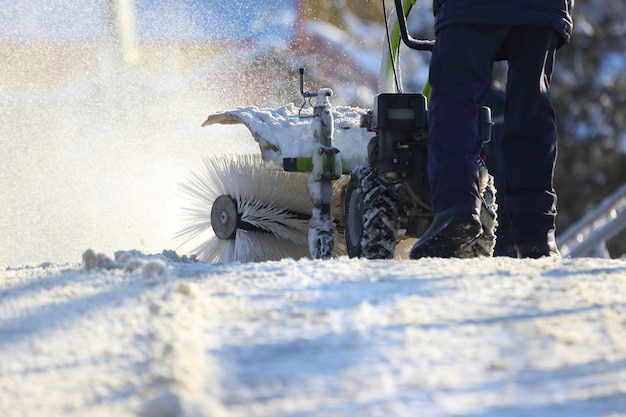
{"x": 460, "y": 76}
{"x": 530, "y": 139}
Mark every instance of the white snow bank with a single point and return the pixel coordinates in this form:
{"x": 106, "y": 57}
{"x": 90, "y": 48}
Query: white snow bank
{"x": 164, "y": 336}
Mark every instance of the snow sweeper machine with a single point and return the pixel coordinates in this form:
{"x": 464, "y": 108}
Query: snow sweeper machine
{"x": 330, "y": 181}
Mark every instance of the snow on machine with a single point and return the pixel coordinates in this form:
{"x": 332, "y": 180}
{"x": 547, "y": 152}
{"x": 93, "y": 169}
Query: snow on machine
{"x": 330, "y": 181}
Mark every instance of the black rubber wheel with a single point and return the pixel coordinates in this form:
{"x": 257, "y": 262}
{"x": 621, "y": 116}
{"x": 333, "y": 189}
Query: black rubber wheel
{"x": 370, "y": 215}
{"x": 485, "y": 243}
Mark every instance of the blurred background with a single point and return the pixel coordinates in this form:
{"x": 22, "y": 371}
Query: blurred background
{"x": 102, "y": 101}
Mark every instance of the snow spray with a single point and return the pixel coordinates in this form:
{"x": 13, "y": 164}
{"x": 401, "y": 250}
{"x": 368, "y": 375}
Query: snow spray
{"x": 99, "y": 128}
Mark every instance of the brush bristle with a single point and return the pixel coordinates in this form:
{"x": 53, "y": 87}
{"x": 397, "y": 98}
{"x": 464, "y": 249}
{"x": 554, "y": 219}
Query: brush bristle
{"x": 272, "y": 200}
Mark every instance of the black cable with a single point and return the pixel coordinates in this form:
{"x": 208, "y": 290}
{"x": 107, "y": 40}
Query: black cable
{"x": 393, "y": 62}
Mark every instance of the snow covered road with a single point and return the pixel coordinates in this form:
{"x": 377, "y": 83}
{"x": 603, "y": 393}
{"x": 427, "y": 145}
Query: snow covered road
{"x": 153, "y": 336}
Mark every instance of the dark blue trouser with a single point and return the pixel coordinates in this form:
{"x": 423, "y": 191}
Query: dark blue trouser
{"x": 461, "y": 76}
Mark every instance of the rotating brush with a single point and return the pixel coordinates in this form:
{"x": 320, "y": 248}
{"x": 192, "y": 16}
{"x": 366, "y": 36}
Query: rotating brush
{"x": 244, "y": 211}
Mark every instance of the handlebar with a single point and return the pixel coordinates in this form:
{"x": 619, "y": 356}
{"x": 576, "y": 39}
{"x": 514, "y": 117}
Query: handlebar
{"x": 419, "y": 44}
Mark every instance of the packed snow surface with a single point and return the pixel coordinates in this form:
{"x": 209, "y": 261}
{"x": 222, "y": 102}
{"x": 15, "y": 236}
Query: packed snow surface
{"x": 160, "y": 336}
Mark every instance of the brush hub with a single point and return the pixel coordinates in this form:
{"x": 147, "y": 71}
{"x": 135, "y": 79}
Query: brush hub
{"x": 224, "y": 217}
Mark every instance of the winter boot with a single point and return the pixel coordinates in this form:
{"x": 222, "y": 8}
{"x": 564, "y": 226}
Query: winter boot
{"x": 451, "y": 229}
{"x": 538, "y": 250}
